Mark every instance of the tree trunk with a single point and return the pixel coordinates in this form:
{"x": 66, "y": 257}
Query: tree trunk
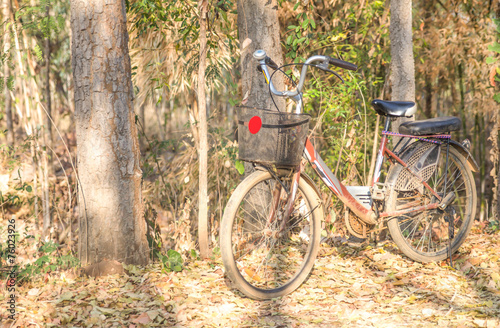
{"x": 203, "y": 147}
{"x": 8, "y": 100}
{"x": 497, "y": 144}
{"x": 402, "y": 63}
{"x": 498, "y": 186}
{"x": 259, "y": 28}
{"x": 47, "y": 82}
{"x": 47, "y": 138}
{"x": 111, "y": 224}
{"x": 428, "y": 7}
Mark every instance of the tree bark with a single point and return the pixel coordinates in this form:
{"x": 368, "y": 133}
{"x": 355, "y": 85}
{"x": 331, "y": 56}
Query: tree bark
{"x": 259, "y": 28}
{"x": 203, "y": 130}
{"x": 428, "y": 7}
{"x": 111, "y": 224}
{"x": 497, "y": 145}
{"x": 402, "y": 63}
{"x": 8, "y": 100}
{"x": 47, "y": 138}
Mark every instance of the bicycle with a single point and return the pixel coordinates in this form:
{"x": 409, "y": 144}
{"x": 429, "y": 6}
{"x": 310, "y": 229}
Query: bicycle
{"x": 271, "y": 228}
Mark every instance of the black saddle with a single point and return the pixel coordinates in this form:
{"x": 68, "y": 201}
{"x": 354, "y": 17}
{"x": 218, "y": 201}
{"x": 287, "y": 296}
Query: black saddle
{"x": 431, "y": 126}
{"x": 394, "y": 108}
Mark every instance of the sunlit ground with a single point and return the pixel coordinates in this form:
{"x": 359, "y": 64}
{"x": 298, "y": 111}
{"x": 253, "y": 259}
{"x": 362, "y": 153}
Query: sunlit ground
{"x": 374, "y": 286}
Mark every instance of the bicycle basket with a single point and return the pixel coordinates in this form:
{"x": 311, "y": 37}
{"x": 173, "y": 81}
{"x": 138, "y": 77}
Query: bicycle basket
{"x": 271, "y": 137}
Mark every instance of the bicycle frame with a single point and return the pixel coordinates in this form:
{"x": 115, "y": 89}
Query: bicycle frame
{"x": 368, "y": 215}
{"x": 332, "y": 182}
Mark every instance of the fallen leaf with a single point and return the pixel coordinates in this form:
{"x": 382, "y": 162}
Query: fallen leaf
{"x": 33, "y": 291}
{"x": 142, "y": 318}
{"x": 427, "y": 312}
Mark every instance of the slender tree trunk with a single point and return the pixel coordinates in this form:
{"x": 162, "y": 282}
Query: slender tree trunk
{"x": 8, "y": 100}
{"x": 203, "y": 148}
{"x": 161, "y": 133}
{"x": 462, "y": 100}
{"x": 428, "y": 7}
{"x": 47, "y": 83}
{"x": 47, "y": 138}
{"x": 428, "y": 97}
{"x": 110, "y": 201}
{"x": 142, "y": 116}
{"x": 402, "y": 63}
{"x": 497, "y": 144}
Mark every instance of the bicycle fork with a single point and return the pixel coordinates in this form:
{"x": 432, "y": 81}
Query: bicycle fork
{"x": 290, "y": 198}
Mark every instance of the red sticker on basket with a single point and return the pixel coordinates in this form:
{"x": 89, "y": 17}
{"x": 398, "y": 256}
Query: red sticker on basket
{"x": 254, "y": 124}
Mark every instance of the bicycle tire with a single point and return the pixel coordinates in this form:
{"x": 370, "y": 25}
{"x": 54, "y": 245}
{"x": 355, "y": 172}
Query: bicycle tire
{"x": 289, "y": 257}
{"x": 409, "y": 232}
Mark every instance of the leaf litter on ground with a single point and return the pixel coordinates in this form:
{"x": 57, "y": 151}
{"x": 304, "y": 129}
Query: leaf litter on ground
{"x": 369, "y": 286}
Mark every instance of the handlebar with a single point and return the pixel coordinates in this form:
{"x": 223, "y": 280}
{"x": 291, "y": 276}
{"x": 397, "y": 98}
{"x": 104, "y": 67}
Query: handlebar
{"x": 265, "y": 61}
{"x": 342, "y": 63}
{"x": 271, "y": 63}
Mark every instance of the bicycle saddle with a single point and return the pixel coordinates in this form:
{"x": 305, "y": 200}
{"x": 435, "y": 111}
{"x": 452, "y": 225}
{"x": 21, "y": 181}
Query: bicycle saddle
{"x": 431, "y": 126}
{"x": 394, "y": 108}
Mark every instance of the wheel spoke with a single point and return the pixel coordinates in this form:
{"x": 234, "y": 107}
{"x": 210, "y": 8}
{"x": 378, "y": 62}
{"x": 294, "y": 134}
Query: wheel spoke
{"x": 268, "y": 252}
{"x": 428, "y": 238}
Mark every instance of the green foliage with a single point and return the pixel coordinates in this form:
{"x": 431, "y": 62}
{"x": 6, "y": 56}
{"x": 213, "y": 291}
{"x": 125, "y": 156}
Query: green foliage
{"x": 494, "y": 225}
{"x": 38, "y": 52}
{"x": 240, "y": 167}
{"x": 49, "y": 260}
{"x": 494, "y": 47}
{"x": 172, "y": 261}
{"x": 32, "y": 20}
{"x": 21, "y": 192}
{"x": 178, "y": 23}
{"x": 300, "y": 36}
{"x": 342, "y": 108}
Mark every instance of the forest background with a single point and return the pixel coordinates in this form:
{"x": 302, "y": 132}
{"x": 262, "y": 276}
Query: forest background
{"x": 456, "y": 72}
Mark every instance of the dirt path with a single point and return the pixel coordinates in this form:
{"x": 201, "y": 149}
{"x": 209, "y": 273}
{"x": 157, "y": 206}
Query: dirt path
{"x": 370, "y": 287}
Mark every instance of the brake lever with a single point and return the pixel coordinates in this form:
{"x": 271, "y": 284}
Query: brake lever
{"x": 324, "y": 67}
{"x": 336, "y": 74}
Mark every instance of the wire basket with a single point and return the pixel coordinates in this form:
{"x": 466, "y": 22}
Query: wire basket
{"x": 271, "y": 137}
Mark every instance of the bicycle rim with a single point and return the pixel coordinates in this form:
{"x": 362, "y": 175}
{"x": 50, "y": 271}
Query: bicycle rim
{"x": 271, "y": 257}
{"x": 424, "y": 236}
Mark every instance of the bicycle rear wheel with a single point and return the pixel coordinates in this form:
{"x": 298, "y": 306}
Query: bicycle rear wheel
{"x": 263, "y": 256}
{"x": 424, "y": 236}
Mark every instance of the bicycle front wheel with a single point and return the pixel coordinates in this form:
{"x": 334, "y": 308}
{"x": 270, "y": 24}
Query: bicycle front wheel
{"x": 264, "y": 256}
{"x": 424, "y": 236}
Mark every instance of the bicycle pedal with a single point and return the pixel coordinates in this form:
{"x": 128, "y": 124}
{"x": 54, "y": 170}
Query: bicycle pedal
{"x": 378, "y": 191}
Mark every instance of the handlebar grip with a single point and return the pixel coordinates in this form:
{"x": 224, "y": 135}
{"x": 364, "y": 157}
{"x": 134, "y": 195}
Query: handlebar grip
{"x": 342, "y": 64}
{"x": 271, "y": 63}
